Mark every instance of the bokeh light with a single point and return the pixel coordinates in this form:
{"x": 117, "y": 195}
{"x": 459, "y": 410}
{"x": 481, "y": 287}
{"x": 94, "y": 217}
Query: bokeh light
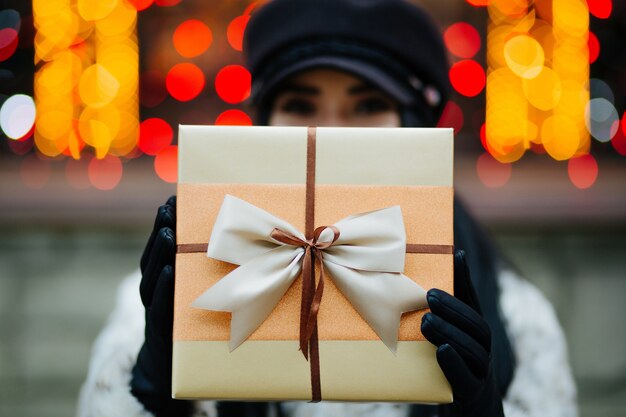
{"x": 141, "y": 4}
{"x": 467, "y": 77}
{"x": 233, "y": 83}
{"x": 233, "y": 117}
{"x": 185, "y": 81}
{"x": 492, "y": 173}
{"x": 619, "y": 142}
{"x": 17, "y": 116}
{"x": 524, "y": 56}
{"x": 154, "y": 135}
{"x": 601, "y": 119}
{"x": 166, "y": 3}
{"x": 235, "y": 31}
{"x": 452, "y": 116}
{"x": 600, "y": 8}
{"x": 478, "y": 3}
{"x": 462, "y": 40}
{"x": 594, "y": 47}
{"x": 8, "y": 43}
{"x": 106, "y": 173}
{"x": 544, "y": 90}
{"x": 582, "y": 171}
{"x": 192, "y": 38}
{"x": 166, "y": 164}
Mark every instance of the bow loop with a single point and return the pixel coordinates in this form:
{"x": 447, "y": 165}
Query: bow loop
{"x": 364, "y": 254}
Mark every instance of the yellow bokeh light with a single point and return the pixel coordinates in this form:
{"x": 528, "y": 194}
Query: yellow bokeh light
{"x": 93, "y": 133}
{"x": 560, "y": 137}
{"x": 97, "y": 86}
{"x": 543, "y": 91}
{"x": 120, "y": 21}
{"x": 524, "y": 56}
{"x": 52, "y": 147}
{"x": 570, "y": 17}
{"x": 53, "y": 124}
{"x": 95, "y": 9}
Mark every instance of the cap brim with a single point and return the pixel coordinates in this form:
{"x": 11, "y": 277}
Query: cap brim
{"x": 365, "y": 70}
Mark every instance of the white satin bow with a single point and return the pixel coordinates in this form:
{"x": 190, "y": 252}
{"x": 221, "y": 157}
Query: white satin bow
{"x": 365, "y": 263}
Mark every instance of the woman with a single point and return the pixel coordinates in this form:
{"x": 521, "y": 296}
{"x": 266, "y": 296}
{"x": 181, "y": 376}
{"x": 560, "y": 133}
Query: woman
{"x": 352, "y": 63}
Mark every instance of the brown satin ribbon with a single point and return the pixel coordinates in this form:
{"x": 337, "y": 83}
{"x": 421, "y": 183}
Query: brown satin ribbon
{"x": 313, "y": 253}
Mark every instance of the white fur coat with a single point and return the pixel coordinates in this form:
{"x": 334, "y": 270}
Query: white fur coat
{"x": 542, "y": 385}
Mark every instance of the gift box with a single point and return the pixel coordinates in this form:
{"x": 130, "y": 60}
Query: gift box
{"x": 303, "y": 257}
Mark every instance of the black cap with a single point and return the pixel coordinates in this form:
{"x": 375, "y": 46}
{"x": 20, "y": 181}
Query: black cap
{"x": 390, "y": 43}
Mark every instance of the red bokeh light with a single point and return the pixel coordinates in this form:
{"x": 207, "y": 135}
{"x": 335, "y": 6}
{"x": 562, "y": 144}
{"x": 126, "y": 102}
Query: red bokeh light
{"x": 184, "y": 81}
{"x": 594, "y": 47}
{"x": 478, "y": 3}
{"x": 462, "y": 39}
{"x": 8, "y": 43}
{"x": 141, "y": 4}
{"x": 582, "y": 171}
{"x": 235, "y": 31}
{"x": 467, "y": 77}
{"x": 492, "y": 174}
{"x": 191, "y": 38}
{"x": 233, "y": 84}
{"x": 166, "y": 164}
{"x": 21, "y": 147}
{"x": 35, "y": 172}
{"x": 600, "y": 8}
{"x": 483, "y": 136}
{"x": 619, "y": 141}
{"x": 452, "y": 116}
{"x": 166, "y": 3}
{"x": 76, "y": 173}
{"x": 233, "y": 118}
{"x": 105, "y": 174}
{"x": 152, "y": 90}
{"x": 154, "y": 135}
{"x": 624, "y": 123}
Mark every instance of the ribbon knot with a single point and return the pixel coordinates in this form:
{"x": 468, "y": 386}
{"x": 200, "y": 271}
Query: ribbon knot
{"x": 311, "y": 299}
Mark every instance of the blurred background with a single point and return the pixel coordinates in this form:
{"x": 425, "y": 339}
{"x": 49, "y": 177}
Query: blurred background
{"x": 92, "y": 92}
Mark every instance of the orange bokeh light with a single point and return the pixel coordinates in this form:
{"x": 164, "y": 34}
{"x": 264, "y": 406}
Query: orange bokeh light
{"x": 582, "y": 171}
{"x": 467, "y": 77}
{"x": 233, "y": 117}
{"x": 462, "y": 39}
{"x": 154, "y": 135}
{"x": 233, "y": 84}
{"x": 478, "y": 3}
{"x": 106, "y": 173}
{"x": 185, "y": 81}
{"x": 191, "y": 38}
{"x": 166, "y": 164}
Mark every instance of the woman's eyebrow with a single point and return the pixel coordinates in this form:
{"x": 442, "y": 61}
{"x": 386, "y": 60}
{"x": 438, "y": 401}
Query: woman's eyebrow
{"x": 361, "y": 88}
{"x": 300, "y": 88}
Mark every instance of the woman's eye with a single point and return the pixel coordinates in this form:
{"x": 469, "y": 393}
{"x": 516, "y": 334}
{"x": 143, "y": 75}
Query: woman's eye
{"x": 298, "y": 106}
{"x": 372, "y": 105}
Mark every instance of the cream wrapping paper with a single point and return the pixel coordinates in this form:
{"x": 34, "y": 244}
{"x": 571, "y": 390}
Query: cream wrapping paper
{"x": 368, "y": 167}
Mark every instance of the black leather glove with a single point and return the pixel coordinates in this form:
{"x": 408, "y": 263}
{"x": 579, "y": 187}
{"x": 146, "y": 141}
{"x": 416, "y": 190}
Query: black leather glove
{"x": 151, "y": 379}
{"x": 463, "y": 341}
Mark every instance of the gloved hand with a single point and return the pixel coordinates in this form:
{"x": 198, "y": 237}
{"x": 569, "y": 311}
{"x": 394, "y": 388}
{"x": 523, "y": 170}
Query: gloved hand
{"x": 463, "y": 341}
{"x": 151, "y": 381}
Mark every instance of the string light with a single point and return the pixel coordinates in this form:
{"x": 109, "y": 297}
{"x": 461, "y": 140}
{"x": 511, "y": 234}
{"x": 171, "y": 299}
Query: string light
{"x": 86, "y": 83}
